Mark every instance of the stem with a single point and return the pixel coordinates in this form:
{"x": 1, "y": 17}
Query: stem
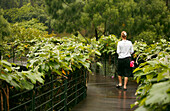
{"x": 96, "y": 34}
{"x": 84, "y": 37}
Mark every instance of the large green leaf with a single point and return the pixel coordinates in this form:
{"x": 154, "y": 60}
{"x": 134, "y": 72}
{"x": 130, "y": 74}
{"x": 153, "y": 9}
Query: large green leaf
{"x": 26, "y": 84}
{"x": 158, "y": 94}
{"x": 5, "y": 63}
{"x": 142, "y": 108}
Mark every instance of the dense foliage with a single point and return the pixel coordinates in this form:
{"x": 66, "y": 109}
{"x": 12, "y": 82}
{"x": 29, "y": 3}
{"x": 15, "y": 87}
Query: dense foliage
{"x": 47, "y": 56}
{"x": 10, "y": 72}
{"x": 153, "y": 75}
{"x": 7, "y": 4}
{"x": 60, "y": 58}
{"x": 4, "y": 28}
{"x": 147, "y": 20}
{"x": 108, "y": 44}
{"x": 26, "y": 12}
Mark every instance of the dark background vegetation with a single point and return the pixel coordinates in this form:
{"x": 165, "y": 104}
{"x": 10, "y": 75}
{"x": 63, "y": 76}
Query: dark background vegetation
{"x": 142, "y": 19}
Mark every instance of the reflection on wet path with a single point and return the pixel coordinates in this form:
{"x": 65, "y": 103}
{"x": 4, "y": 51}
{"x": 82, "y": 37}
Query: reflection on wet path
{"x": 102, "y": 95}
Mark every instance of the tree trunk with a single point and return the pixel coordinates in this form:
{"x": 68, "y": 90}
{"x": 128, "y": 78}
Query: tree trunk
{"x": 167, "y": 3}
{"x": 104, "y": 33}
{"x": 0, "y": 55}
{"x": 32, "y": 2}
{"x": 84, "y": 37}
{"x": 20, "y": 3}
{"x": 96, "y": 34}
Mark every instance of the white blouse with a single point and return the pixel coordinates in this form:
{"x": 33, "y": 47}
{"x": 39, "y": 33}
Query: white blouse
{"x": 124, "y": 49}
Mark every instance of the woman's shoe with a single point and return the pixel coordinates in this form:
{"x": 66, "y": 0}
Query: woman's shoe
{"x": 125, "y": 89}
{"x": 117, "y": 86}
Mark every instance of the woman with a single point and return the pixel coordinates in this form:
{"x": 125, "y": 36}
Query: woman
{"x": 124, "y": 50}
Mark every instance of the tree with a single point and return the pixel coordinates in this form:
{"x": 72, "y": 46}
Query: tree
{"x": 99, "y": 17}
{"x": 125, "y": 17}
{"x": 96, "y": 16}
{"x": 26, "y": 12}
{"x": 7, "y": 4}
{"x": 4, "y": 30}
{"x": 79, "y": 15}
{"x": 65, "y": 15}
{"x": 20, "y": 3}
{"x": 152, "y": 15}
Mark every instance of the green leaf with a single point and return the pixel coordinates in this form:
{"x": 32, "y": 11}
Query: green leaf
{"x": 4, "y": 77}
{"x": 57, "y": 66}
{"x": 142, "y": 102}
{"x": 147, "y": 68}
{"x": 30, "y": 76}
{"x": 6, "y": 63}
{"x": 9, "y": 68}
{"x": 99, "y": 64}
{"x": 15, "y": 84}
{"x": 132, "y": 105}
{"x": 142, "y": 108}
{"x": 27, "y": 85}
{"x": 46, "y": 68}
{"x": 150, "y": 76}
{"x": 138, "y": 79}
{"x": 98, "y": 53}
{"x": 158, "y": 94}
{"x": 58, "y": 72}
{"x": 137, "y": 69}
{"x": 39, "y": 77}
{"x": 153, "y": 63}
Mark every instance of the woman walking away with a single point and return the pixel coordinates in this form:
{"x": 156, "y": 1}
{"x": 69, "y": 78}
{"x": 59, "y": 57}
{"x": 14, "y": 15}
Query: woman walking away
{"x": 124, "y": 50}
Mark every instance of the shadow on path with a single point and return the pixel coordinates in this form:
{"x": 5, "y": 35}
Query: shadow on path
{"x": 102, "y": 95}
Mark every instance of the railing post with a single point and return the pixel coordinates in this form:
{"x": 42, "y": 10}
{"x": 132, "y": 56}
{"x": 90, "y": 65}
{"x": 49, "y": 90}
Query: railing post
{"x": 13, "y": 54}
{"x": 33, "y": 99}
{"x": 85, "y": 75}
{"x": 65, "y": 94}
{"x": 76, "y": 87}
{"x": 105, "y": 64}
{"x": 5, "y": 103}
{"x": 0, "y": 53}
{"x": 51, "y": 92}
{"x": 115, "y": 63}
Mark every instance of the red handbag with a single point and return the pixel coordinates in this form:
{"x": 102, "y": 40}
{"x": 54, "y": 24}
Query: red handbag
{"x": 132, "y": 63}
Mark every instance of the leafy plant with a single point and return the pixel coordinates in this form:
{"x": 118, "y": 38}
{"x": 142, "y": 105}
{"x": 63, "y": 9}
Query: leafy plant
{"x": 47, "y": 56}
{"x": 26, "y": 13}
{"x": 22, "y": 80}
{"x": 146, "y": 52}
{"x": 25, "y": 33}
{"x": 154, "y": 78}
{"x": 4, "y": 29}
{"x": 61, "y": 58}
{"x": 147, "y": 36}
{"x": 108, "y": 44}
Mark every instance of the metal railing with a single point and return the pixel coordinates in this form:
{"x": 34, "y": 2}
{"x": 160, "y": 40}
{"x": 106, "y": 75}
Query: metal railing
{"x": 13, "y": 55}
{"x": 109, "y": 63}
{"x": 56, "y": 94}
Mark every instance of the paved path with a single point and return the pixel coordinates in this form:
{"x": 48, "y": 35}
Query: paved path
{"x": 102, "y": 95}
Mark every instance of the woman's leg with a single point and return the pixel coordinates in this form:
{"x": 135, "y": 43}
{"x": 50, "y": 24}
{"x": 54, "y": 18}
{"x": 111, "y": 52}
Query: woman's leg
{"x": 125, "y": 82}
{"x": 120, "y": 80}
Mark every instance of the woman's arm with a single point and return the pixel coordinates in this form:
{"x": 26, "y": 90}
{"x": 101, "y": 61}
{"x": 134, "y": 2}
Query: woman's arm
{"x": 118, "y": 49}
{"x": 131, "y": 49}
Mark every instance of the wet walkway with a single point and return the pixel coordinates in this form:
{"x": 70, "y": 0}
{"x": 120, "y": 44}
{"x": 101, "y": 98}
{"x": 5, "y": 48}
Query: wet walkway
{"x": 102, "y": 95}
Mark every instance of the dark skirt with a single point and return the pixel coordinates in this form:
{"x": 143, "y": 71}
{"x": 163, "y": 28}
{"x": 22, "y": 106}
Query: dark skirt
{"x": 124, "y": 68}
